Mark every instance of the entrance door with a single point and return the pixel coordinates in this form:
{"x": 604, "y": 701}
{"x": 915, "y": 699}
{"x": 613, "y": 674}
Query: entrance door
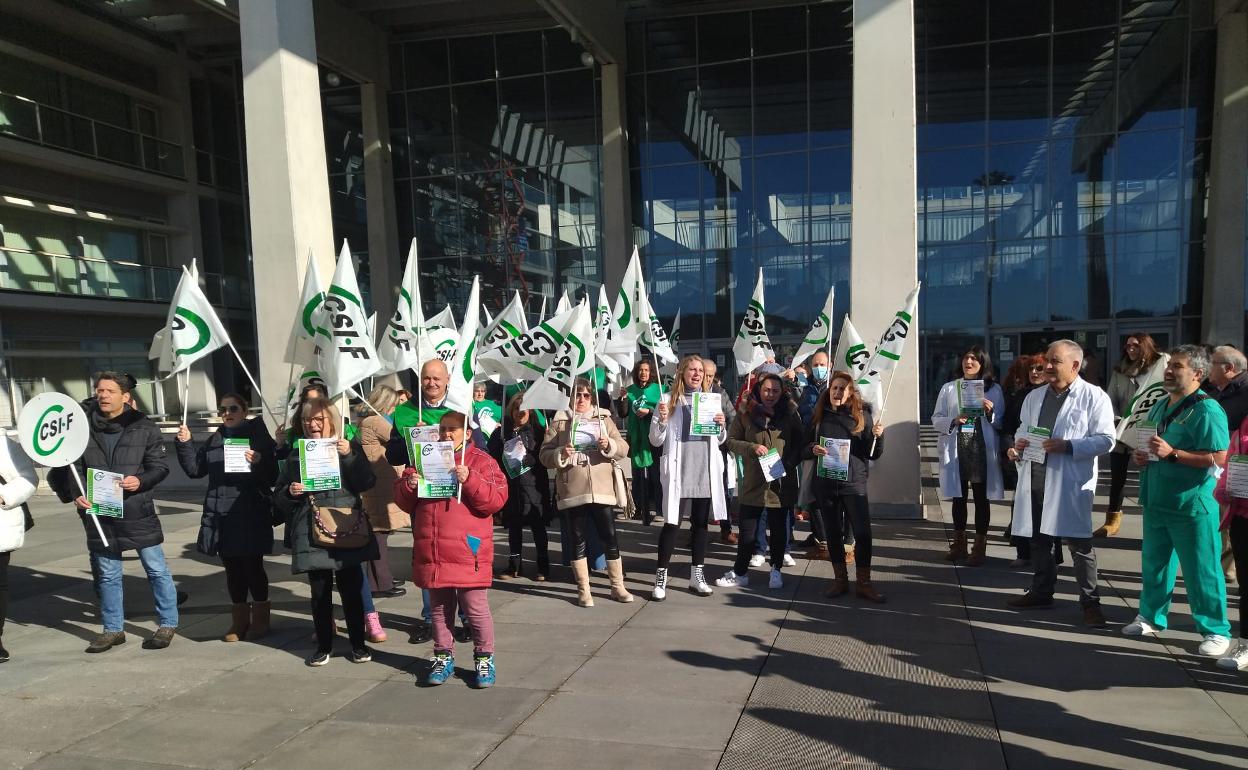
{"x": 1009, "y": 344}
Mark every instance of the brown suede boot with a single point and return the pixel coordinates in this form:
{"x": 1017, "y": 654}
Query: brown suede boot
{"x": 240, "y": 619}
{"x": 840, "y": 583}
{"x": 580, "y": 572}
{"x": 865, "y": 589}
{"x": 978, "y": 551}
{"x": 957, "y": 549}
{"x": 259, "y": 620}
{"x": 615, "y": 569}
{"x": 1113, "y": 520}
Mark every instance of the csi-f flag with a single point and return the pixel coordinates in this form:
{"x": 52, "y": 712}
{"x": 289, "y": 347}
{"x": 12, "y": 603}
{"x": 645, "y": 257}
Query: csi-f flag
{"x": 350, "y": 356}
{"x": 463, "y": 365}
{"x": 509, "y": 324}
{"x": 674, "y": 338}
{"x": 753, "y": 345}
{"x": 399, "y": 348}
{"x": 820, "y": 333}
{"x": 527, "y": 357}
{"x": 851, "y": 354}
{"x": 308, "y": 330}
{"x": 604, "y": 324}
{"x": 192, "y": 329}
{"x": 439, "y": 337}
{"x": 563, "y": 304}
{"x": 575, "y": 356}
{"x": 888, "y": 352}
{"x": 1150, "y": 390}
{"x": 625, "y": 333}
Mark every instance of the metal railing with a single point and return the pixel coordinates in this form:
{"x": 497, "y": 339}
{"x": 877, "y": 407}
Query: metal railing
{"x": 82, "y": 277}
{"x": 53, "y": 127}
{"x": 217, "y": 171}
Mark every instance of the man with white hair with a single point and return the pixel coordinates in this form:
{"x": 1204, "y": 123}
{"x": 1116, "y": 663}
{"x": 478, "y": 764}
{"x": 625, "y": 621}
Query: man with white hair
{"x": 1064, "y": 428}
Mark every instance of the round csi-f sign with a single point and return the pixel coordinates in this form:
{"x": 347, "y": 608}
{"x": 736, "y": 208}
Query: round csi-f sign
{"x": 53, "y": 429}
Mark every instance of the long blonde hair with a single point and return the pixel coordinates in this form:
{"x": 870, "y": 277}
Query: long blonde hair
{"x": 383, "y": 398}
{"x": 678, "y": 384}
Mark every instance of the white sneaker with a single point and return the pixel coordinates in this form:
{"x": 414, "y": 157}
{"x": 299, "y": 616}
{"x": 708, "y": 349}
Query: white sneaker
{"x": 1138, "y": 627}
{"x": 775, "y": 581}
{"x": 697, "y": 581}
{"x": 660, "y": 585}
{"x": 1214, "y": 646}
{"x": 733, "y": 580}
{"x": 788, "y": 561}
{"x": 757, "y": 560}
{"x": 1237, "y": 660}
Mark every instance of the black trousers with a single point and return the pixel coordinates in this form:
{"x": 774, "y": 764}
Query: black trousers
{"x": 529, "y": 514}
{"x": 603, "y": 522}
{"x": 983, "y": 514}
{"x": 839, "y": 510}
{"x": 4, "y": 588}
{"x": 1239, "y": 549}
{"x": 1118, "y": 465}
{"x": 646, "y": 494}
{"x": 350, "y": 587}
{"x": 776, "y": 520}
{"x": 245, "y": 575}
{"x": 699, "y": 518}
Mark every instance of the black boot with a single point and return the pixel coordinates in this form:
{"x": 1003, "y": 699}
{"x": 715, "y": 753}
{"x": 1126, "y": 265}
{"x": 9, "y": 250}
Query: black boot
{"x": 513, "y": 569}
{"x": 543, "y": 568}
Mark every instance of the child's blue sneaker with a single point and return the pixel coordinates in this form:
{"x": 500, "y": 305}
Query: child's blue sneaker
{"x": 485, "y": 671}
{"x": 443, "y": 669}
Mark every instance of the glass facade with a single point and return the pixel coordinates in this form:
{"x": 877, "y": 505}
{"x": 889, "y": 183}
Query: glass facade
{"x": 1062, "y": 169}
{"x": 496, "y": 159}
{"x": 739, "y": 129}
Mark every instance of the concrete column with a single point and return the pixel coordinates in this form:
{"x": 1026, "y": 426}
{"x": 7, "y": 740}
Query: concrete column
{"x": 617, "y": 235}
{"x": 287, "y": 175}
{"x": 384, "y": 256}
{"x": 884, "y": 256}
{"x": 1223, "y": 318}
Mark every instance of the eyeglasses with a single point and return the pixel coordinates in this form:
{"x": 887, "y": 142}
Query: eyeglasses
{"x": 231, "y": 409}
{"x": 313, "y": 420}
{"x": 583, "y": 395}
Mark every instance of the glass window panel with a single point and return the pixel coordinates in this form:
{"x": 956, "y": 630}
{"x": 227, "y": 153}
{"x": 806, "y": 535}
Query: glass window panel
{"x": 676, "y": 283}
{"x": 779, "y": 30}
{"x": 561, "y": 52}
{"x": 1018, "y": 89}
{"x": 1081, "y": 14}
{"x": 953, "y": 285}
{"x": 1017, "y": 192}
{"x": 950, "y": 22}
{"x": 954, "y": 203}
{"x": 425, "y": 63}
{"x": 1151, "y": 74}
{"x": 1200, "y": 85}
{"x": 1195, "y": 195}
{"x": 1192, "y": 271}
{"x": 1083, "y": 82}
{"x": 476, "y": 125}
{"x": 719, "y": 215}
{"x": 636, "y": 95}
{"x": 781, "y": 208}
{"x": 953, "y": 112}
{"x": 791, "y": 303}
{"x": 831, "y": 96}
{"x": 721, "y": 266}
{"x": 573, "y": 120}
{"x": 405, "y": 216}
{"x": 436, "y": 209}
{"x": 1018, "y": 18}
{"x": 670, "y": 102}
{"x": 1146, "y": 276}
{"x": 671, "y": 43}
{"x": 723, "y": 36}
{"x": 1149, "y": 180}
{"x": 400, "y": 154}
{"x": 780, "y": 104}
{"x": 941, "y": 353}
{"x": 636, "y": 34}
{"x": 829, "y": 266}
{"x": 721, "y": 115}
{"x": 831, "y": 24}
{"x": 574, "y": 210}
{"x": 472, "y": 58}
{"x": 519, "y": 53}
{"x": 524, "y": 138}
{"x": 671, "y": 201}
{"x": 430, "y": 139}
{"x": 1079, "y": 275}
{"x": 1019, "y": 281}
{"x": 1080, "y": 177}
{"x": 830, "y": 196}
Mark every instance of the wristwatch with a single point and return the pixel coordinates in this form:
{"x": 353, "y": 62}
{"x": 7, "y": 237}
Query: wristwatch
{"x": 1173, "y": 457}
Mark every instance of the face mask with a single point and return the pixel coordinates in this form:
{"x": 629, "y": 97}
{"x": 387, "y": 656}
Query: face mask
{"x": 801, "y": 380}
{"x": 821, "y": 372}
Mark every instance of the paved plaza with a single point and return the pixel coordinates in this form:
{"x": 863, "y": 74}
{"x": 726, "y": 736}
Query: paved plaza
{"x": 942, "y": 676}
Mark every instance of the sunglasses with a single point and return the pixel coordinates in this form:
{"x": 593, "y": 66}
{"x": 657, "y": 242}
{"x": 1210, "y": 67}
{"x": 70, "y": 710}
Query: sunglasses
{"x": 231, "y": 409}
{"x": 1037, "y": 368}
{"x": 583, "y": 395}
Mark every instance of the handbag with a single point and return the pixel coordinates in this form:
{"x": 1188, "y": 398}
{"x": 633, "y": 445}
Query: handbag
{"x": 339, "y": 528}
{"x": 623, "y": 499}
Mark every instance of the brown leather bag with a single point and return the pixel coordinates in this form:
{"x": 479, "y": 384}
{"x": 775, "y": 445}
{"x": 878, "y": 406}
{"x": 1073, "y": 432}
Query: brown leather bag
{"x": 339, "y": 528}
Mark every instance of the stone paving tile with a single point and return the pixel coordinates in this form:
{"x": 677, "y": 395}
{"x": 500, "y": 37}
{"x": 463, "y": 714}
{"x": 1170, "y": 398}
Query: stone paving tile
{"x": 527, "y": 751}
{"x": 451, "y": 706}
{"x": 276, "y": 695}
{"x": 683, "y": 677}
{"x": 664, "y": 720}
{"x": 67, "y": 761}
{"x": 560, "y": 638}
{"x": 339, "y": 745}
{"x": 15, "y": 759}
{"x": 51, "y": 724}
{"x": 1081, "y": 748}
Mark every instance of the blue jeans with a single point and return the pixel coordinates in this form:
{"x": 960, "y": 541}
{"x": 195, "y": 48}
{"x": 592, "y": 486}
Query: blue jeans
{"x": 107, "y": 571}
{"x": 760, "y": 544}
{"x": 367, "y": 592}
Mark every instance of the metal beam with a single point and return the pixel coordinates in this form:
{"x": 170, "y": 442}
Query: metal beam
{"x": 596, "y": 25}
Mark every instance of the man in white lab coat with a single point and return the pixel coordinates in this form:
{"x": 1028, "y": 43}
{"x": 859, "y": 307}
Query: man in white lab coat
{"x": 1064, "y": 428}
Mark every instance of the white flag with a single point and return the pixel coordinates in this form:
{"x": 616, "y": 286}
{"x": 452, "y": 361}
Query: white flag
{"x": 604, "y": 324}
{"x": 192, "y": 329}
{"x": 350, "y": 356}
{"x": 159, "y": 350}
{"x": 1150, "y": 390}
{"x": 820, "y": 333}
{"x": 509, "y": 324}
{"x": 674, "y": 338}
{"x": 753, "y": 346}
{"x": 463, "y": 366}
{"x": 888, "y": 352}
{"x": 399, "y": 348}
{"x": 309, "y": 330}
{"x": 563, "y": 304}
{"x": 851, "y": 354}
{"x": 575, "y": 356}
{"x": 440, "y": 337}
{"x": 624, "y": 335}
{"x": 527, "y": 357}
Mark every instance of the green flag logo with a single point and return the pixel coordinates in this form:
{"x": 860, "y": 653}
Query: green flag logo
{"x": 204, "y": 334}
{"x": 45, "y": 429}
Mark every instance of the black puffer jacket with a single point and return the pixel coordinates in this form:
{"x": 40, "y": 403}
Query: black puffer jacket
{"x": 236, "y": 519}
{"x": 528, "y": 494}
{"x": 837, "y": 423}
{"x": 357, "y": 477}
{"x": 140, "y": 452}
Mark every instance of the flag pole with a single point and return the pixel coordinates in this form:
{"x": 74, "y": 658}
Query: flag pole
{"x": 252, "y": 380}
{"x": 186, "y": 393}
{"x": 73, "y": 468}
{"x": 366, "y": 402}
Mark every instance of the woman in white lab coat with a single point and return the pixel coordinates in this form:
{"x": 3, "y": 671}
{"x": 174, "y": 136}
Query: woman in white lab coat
{"x": 968, "y": 453}
{"x": 17, "y": 484}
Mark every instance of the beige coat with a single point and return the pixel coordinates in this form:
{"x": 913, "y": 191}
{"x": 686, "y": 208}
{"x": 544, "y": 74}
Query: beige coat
{"x": 383, "y": 514}
{"x": 584, "y": 478}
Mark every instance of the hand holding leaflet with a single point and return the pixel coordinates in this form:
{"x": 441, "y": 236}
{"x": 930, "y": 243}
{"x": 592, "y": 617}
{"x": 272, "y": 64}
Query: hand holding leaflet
{"x": 1034, "y": 452}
